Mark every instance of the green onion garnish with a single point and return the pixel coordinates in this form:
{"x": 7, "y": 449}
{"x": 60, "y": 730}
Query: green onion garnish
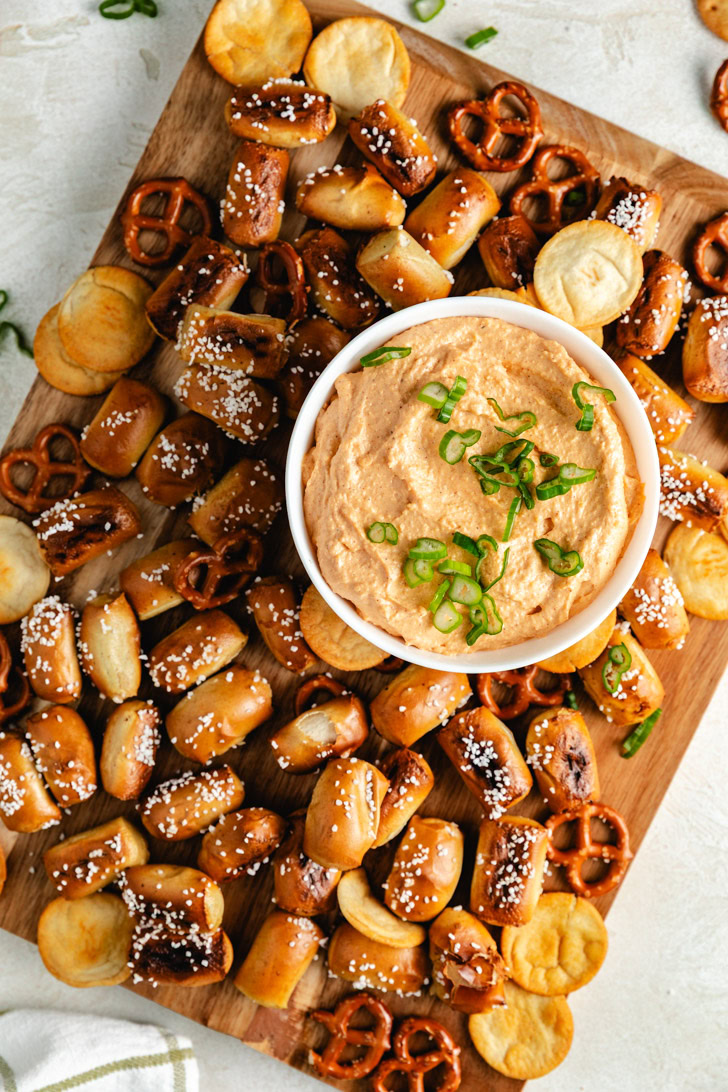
{"x": 448, "y": 567}
{"x": 428, "y": 549}
{"x": 527, "y": 419}
{"x": 586, "y": 421}
{"x": 480, "y": 37}
{"x": 526, "y": 495}
{"x": 638, "y": 735}
{"x": 465, "y": 542}
{"x": 618, "y": 661}
{"x": 547, "y": 459}
{"x": 383, "y": 532}
{"x": 465, "y": 590}
{"x": 485, "y": 541}
{"x": 382, "y": 355}
{"x": 486, "y": 467}
{"x": 439, "y": 596}
{"x": 552, "y": 488}
{"x": 485, "y": 619}
{"x": 144, "y": 7}
{"x": 561, "y": 562}
{"x": 453, "y": 444}
{"x": 454, "y": 395}
{"x": 10, "y": 327}
{"x": 569, "y": 474}
{"x": 570, "y": 699}
{"x": 446, "y": 617}
{"x": 417, "y": 572}
{"x": 500, "y": 574}
{"x": 526, "y": 468}
{"x": 427, "y": 9}
{"x": 434, "y": 394}
{"x": 510, "y": 518}
{"x": 575, "y": 197}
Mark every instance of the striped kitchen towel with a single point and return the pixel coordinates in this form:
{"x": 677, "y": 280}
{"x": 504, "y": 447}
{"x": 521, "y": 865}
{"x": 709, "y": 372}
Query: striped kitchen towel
{"x": 46, "y": 1051}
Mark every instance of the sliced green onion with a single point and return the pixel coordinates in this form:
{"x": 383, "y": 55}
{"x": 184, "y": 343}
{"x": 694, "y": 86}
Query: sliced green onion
{"x": 527, "y": 419}
{"x": 383, "y": 532}
{"x": 518, "y": 449}
{"x": 486, "y": 620}
{"x": 448, "y": 567}
{"x": 551, "y": 488}
{"x": 429, "y": 549}
{"x": 526, "y": 495}
{"x": 575, "y": 197}
{"x": 510, "y": 518}
{"x": 618, "y": 661}
{"x": 382, "y": 355}
{"x": 569, "y": 474}
{"x": 427, "y": 9}
{"x": 486, "y": 467}
{"x": 561, "y": 562}
{"x": 439, "y": 596}
{"x": 410, "y": 574}
{"x": 480, "y": 37}
{"x": 11, "y": 328}
{"x": 638, "y": 735}
{"x": 485, "y": 541}
{"x": 434, "y": 394}
{"x": 570, "y": 699}
{"x": 501, "y": 573}
{"x": 489, "y": 486}
{"x": 586, "y": 421}
{"x": 525, "y": 470}
{"x": 453, "y": 397}
{"x": 547, "y": 459}
{"x": 453, "y": 444}
{"x": 465, "y": 542}
{"x": 144, "y": 7}
{"x": 465, "y": 590}
{"x": 446, "y": 617}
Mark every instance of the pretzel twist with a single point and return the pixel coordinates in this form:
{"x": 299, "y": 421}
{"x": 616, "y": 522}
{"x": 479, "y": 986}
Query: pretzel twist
{"x": 285, "y": 298}
{"x": 415, "y": 1066}
{"x": 526, "y": 129}
{"x": 7, "y": 712}
{"x": 310, "y": 686}
{"x": 713, "y": 234}
{"x": 375, "y": 1039}
{"x": 45, "y": 468}
{"x": 179, "y": 194}
{"x": 210, "y": 578}
{"x": 525, "y": 691}
{"x": 719, "y": 95}
{"x": 618, "y": 855}
{"x": 556, "y": 191}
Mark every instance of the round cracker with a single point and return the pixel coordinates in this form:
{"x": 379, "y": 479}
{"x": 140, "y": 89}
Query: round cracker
{"x": 526, "y": 1039}
{"x": 102, "y": 321}
{"x": 560, "y": 949}
{"x": 331, "y": 639}
{"x": 714, "y": 14}
{"x": 698, "y": 563}
{"x": 24, "y": 575}
{"x": 56, "y": 366}
{"x": 249, "y": 42}
{"x": 588, "y": 273}
{"x": 357, "y": 61}
{"x": 86, "y": 942}
{"x": 506, "y": 294}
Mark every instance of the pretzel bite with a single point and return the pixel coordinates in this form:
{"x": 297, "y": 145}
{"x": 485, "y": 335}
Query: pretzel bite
{"x": 57, "y": 367}
{"x": 25, "y": 803}
{"x": 167, "y": 957}
{"x": 148, "y": 583}
{"x": 48, "y": 645}
{"x": 310, "y": 345}
{"x": 249, "y": 495}
{"x": 584, "y": 651}
{"x": 638, "y": 693}
{"x": 394, "y": 144}
{"x": 336, "y": 287}
{"x": 560, "y": 752}
{"x": 129, "y": 418}
{"x": 283, "y": 949}
{"x": 647, "y": 327}
{"x": 93, "y": 858}
{"x": 508, "y": 872}
{"x": 353, "y": 198}
{"x": 527, "y": 1038}
{"x": 416, "y": 701}
{"x": 3, "y": 870}
{"x": 195, "y": 650}
{"x": 343, "y": 816}
{"x": 508, "y": 247}
{"x": 64, "y": 753}
{"x": 371, "y": 965}
{"x": 331, "y": 639}
{"x": 632, "y": 208}
{"x": 699, "y": 564}
{"x": 483, "y": 751}
{"x": 186, "y": 805}
{"x": 690, "y": 491}
{"x": 181, "y": 898}
{"x": 75, "y": 531}
{"x": 704, "y": 357}
{"x": 401, "y": 271}
{"x": 669, "y": 414}
{"x": 467, "y": 970}
{"x": 129, "y": 749}
{"x": 24, "y": 574}
{"x": 654, "y": 607}
{"x": 210, "y": 273}
{"x": 217, "y": 715}
{"x": 425, "y": 870}
{"x": 410, "y": 783}
{"x": 110, "y": 646}
{"x": 335, "y": 728}
{"x": 242, "y": 408}
{"x": 283, "y": 113}
{"x": 86, "y": 942}
{"x": 101, "y": 319}
{"x": 301, "y": 886}
{"x": 253, "y": 205}
{"x": 240, "y": 843}
{"x": 449, "y": 219}
{"x": 273, "y": 603}
{"x": 181, "y": 460}
{"x": 248, "y": 41}
{"x": 252, "y": 344}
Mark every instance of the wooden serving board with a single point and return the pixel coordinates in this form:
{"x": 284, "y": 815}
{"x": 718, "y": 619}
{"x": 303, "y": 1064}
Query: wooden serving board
{"x": 191, "y": 139}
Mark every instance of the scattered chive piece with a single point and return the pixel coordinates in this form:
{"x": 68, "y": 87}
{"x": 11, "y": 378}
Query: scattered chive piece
{"x": 586, "y": 421}
{"x": 547, "y": 459}
{"x": 512, "y": 513}
{"x": 454, "y": 395}
{"x": 618, "y": 661}
{"x": 570, "y": 699}
{"x": 10, "y": 327}
{"x": 383, "y": 532}
{"x": 453, "y": 444}
{"x": 527, "y": 418}
{"x": 638, "y": 735}
{"x": 382, "y": 355}
{"x": 484, "y": 541}
{"x": 480, "y": 37}
{"x": 448, "y": 567}
{"x": 465, "y": 542}
{"x": 434, "y": 394}
{"x": 107, "y": 8}
{"x": 439, "y": 596}
{"x": 447, "y": 617}
{"x": 561, "y": 562}
{"x": 428, "y": 549}
{"x": 425, "y": 10}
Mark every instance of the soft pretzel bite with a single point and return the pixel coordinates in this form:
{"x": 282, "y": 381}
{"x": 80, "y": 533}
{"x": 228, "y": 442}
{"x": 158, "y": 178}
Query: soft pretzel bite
{"x": 467, "y": 970}
{"x": 24, "y": 570}
{"x": 632, "y": 208}
{"x": 334, "y": 728}
{"x": 394, "y": 144}
{"x": 253, "y": 205}
{"x": 181, "y": 460}
{"x": 483, "y": 751}
{"x": 101, "y": 320}
{"x": 183, "y": 806}
{"x": 86, "y": 942}
{"x": 148, "y": 582}
{"x": 691, "y": 491}
{"x": 370, "y": 917}
{"x": 425, "y": 870}
{"x": 284, "y": 113}
{"x": 242, "y": 408}
{"x": 343, "y": 815}
{"x": 416, "y": 701}
{"x": 77, "y": 530}
{"x": 240, "y": 843}
{"x": 401, "y": 271}
{"x": 310, "y": 345}
{"x": 25, "y": 803}
{"x": 336, "y": 286}
{"x": 639, "y": 692}
{"x": 281, "y": 953}
{"x": 110, "y": 647}
{"x": 654, "y": 607}
{"x": 647, "y": 327}
{"x": 525, "y": 1039}
{"x": 372, "y": 965}
{"x": 129, "y": 749}
{"x": 64, "y": 753}
{"x": 331, "y": 639}
{"x": 704, "y": 356}
{"x": 560, "y": 752}
{"x": 300, "y": 885}
{"x": 179, "y": 897}
{"x": 3, "y": 870}
{"x": 508, "y": 247}
{"x": 168, "y": 957}
{"x": 127, "y": 421}
{"x": 508, "y": 873}
{"x": 210, "y": 273}
{"x": 352, "y": 198}
{"x": 195, "y": 650}
{"x": 248, "y": 41}
{"x": 410, "y": 783}
{"x": 87, "y": 861}
{"x": 57, "y": 367}
{"x": 219, "y": 713}
{"x": 584, "y": 651}
{"x": 48, "y": 645}
{"x": 668, "y": 414}
{"x": 250, "y": 494}
{"x": 251, "y": 344}
{"x": 449, "y": 219}
{"x": 273, "y": 603}
{"x": 698, "y": 562}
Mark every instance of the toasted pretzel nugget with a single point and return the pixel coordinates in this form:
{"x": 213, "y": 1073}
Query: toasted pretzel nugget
{"x": 417, "y": 700}
{"x": 401, "y": 271}
{"x": 425, "y": 870}
{"x": 57, "y": 367}
{"x": 568, "y": 199}
{"x": 129, "y": 749}
{"x": 483, "y": 751}
{"x": 648, "y": 326}
{"x": 274, "y": 606}
{"x": 668, "y": 414}
{"x": 370, "y": 917}
{"x": 219, "y": 713}
{"x": 191, "y": 959}
{"x": 182, "y": 898}
{"x": 24, "y": 574}
{"x": 195, "y": 650}
{"x": 634, "y": 209}
{"x": 253, "y": 205}
{"x": 148, "y": 582}
{"x": 282, "y": 112}
{"x": 705, "y": 351}
{"x": 561, "y": 754}
{"x": 353, "y": 198}
{"x": 301, "y": 885}
{"x": 25, "y": 803}
{"x": 101, "y": 321}
{"x": 654, "y": 607}
{"x": 186, "y": 805}
{"x": 467, "y": 971}
{"x": 64, "y": 753}
{"x": 249, "y": 41}
{"x": 331, "y": 639}
{"x": 698, "y": 562}
{"x": 508, "y": 247}
{"x": 483, "y": 153}
{"x": 336, "y": 286}
{"x": 251, "y": 344}
{"x": 181, "y": 460}
{"x": 110, "y": 645}
{"x": 242, "y": 408}
{"x": 240, "y": 843}
{"x": 394, "y": 144}
{"x": 74, "y": 531}
{"x": 374, "y": 966}
{"x": 48, "y": 645}
{"x": 343, "y": 815}
{"x": 129, "y": 418}
{"x": 86, "y": 942}
{"x": 335, "y": 728}
{"x": 410, "y": 783}
{"x": 508, "y": 873}
{"x": 527, "y": 1038}
{"x": 250, "y": 494}
{"x": 584, "y": 651}
{"x": 310, "y": 345}
{"x": 280, "y": 955}
{"x": 91, "y": 859}
{"x": 210, "y": 273}
{"x": 691, "y": 491}
{"x": 629, "y": 693}
{"x": 450, "y": 218}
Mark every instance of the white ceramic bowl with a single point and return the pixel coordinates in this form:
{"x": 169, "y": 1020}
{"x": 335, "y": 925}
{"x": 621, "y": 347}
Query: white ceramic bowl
{"x": 628, "y": 409}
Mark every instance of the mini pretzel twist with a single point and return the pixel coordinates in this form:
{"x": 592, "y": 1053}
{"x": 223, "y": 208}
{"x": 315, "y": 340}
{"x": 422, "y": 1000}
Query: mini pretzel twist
{"x": 618, "y": 855}
{"x": 714, "y": 234}
{"x": 525, "y": 691}
{"x": 7, "y": 712}
{"x": 415, "y": 1066}
{"x": 310, "y": 686}
{"x": 375, "y": 1039}
{"x": 209, "y": 578}
{"x": 556, "y": 191}
{"x": 527, "y": 129}
{"x": 719, "y": 95}
{"x": 33, "y": 499}
{"x": 179, "y": 194}
{"x": 285, "y": 298}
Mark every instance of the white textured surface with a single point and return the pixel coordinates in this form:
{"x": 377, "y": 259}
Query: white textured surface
{"x": 78, "y": 99}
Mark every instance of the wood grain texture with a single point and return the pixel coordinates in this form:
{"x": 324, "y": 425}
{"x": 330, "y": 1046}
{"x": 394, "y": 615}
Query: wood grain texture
{"x": 191, "y": 139}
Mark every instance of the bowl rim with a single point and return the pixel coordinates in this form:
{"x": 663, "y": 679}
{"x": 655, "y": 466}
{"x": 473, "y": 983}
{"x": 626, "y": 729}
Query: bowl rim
{"x": 627, "y": 406}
